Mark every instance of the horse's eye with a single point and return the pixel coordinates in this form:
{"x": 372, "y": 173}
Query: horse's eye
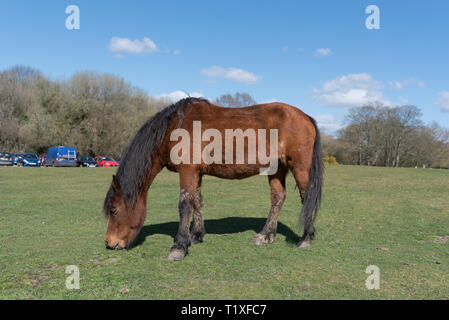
{"x": 113, "y": 212}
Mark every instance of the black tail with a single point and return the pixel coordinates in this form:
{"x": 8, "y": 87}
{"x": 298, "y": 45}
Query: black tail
{"x": 312, "y": 198}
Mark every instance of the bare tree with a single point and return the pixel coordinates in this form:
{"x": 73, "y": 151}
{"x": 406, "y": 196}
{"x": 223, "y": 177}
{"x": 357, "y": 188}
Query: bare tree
{"x": 236, "y": 100}
{"x": 379, "y": 135}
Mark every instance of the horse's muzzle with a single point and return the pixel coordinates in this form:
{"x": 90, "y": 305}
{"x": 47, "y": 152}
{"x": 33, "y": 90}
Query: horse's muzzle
{"x": 117, "y": 246}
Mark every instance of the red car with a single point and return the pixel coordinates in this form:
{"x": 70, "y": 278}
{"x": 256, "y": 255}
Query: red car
{"x": 106, "y": 162}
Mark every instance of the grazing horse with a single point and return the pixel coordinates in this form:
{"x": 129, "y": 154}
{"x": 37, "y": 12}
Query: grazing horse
{"x": 157, "y": 145}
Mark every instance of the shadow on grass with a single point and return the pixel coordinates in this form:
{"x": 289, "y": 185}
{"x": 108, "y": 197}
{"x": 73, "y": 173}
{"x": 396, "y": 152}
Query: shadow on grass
{"x": 223, "y": 226}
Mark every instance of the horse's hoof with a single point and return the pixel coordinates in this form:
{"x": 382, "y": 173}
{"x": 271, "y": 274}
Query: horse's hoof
{"x": 304, "y": 244}
{"x": 176, "y": 255}
{"x": 260, "y": 239}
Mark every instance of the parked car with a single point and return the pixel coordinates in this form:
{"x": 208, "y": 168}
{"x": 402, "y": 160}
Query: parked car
{"x": 42, "y": 159}
{"x": 15, "y": 158}
{"x": 87, "y": 162}
{"x": 5, "y": 159}
{"x": 28, "y": 160}
{"x": 61, "y": 157}
{"x": 106, "y": 162}
{"x": 118, "y": 160}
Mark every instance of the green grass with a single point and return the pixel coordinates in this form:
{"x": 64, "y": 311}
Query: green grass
{"x": 52, "y": 217}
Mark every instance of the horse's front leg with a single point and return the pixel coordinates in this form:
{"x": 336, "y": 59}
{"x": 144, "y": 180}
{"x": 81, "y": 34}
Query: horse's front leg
{"x": 188, "y": 184}
{"x": 198, "y": 231}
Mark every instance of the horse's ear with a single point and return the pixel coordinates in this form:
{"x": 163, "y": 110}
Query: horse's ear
{"x": 115, "y": 183}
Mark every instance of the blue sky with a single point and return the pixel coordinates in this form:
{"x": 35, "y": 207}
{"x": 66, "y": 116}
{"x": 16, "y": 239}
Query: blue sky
{"x": 317, "y": 55}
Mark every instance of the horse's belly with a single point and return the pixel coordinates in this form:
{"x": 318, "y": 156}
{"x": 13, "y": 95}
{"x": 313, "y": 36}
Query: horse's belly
{"x": 231, "y": 171}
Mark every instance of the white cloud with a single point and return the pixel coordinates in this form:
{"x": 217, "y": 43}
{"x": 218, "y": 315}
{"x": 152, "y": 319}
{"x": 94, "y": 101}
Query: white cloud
{"x": 178, "y": 95}
{"x": 328, "y": 122}
{"x": 234, "y": 74}
{"x": 322, "y": 52}
{"x": 352, "y": 90}
{"x": 443, "y": 100}
{"x": 399, "y": 85}
{"x": 176, "y": 52}
{"x": 144, "y": 46}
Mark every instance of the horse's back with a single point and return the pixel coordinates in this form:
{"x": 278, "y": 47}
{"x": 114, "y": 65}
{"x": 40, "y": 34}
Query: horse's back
{"x": 274, "y": 115}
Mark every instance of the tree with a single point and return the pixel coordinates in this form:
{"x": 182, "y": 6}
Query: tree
{"x": 379, "y": 135}
{"x": 361, "y": 133}
{"x": 236, "y": 100}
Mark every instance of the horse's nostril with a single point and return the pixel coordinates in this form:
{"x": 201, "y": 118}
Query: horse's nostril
{"x": 106, "y": 243}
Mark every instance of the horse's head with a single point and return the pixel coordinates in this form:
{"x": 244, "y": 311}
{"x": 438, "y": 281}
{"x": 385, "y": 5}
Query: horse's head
{"x": 124, "y": 223}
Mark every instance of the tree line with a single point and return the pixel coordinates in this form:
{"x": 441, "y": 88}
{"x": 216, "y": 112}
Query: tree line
{"x": 100, "y": 113}
{"x": 378, "y": 135}
{"x": 96, "y": 113}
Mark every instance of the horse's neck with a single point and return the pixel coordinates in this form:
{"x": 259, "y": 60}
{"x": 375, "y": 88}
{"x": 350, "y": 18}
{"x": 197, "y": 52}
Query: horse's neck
{"x": 156, "y": 167}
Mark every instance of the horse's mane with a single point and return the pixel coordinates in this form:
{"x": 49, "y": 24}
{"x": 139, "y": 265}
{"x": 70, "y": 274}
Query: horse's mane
{"x": 137, "y": 159}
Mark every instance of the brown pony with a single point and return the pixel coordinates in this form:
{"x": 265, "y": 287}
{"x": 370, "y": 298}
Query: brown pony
{"x": 298, "y": 150}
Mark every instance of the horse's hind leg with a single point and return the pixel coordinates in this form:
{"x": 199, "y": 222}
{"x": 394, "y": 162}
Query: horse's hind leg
{"x": 278, "y": 193}
{"x": 189, "y": 184}
{"x": 198, "y": 231}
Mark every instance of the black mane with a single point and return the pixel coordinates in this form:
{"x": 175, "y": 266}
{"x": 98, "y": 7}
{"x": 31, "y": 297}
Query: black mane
{"x": 137, "y": 160}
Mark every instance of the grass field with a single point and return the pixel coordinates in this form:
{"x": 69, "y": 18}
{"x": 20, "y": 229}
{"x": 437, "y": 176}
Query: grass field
{"x": 396, "y": 219}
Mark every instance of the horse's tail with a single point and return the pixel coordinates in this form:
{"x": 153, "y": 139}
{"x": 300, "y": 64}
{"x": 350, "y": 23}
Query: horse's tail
{"x": 312, "y": 198}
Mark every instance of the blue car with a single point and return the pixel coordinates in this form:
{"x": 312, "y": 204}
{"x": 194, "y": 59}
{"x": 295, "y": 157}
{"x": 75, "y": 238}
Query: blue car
{"x": 61, "y": 157}
{"x": 28, "y": 160}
